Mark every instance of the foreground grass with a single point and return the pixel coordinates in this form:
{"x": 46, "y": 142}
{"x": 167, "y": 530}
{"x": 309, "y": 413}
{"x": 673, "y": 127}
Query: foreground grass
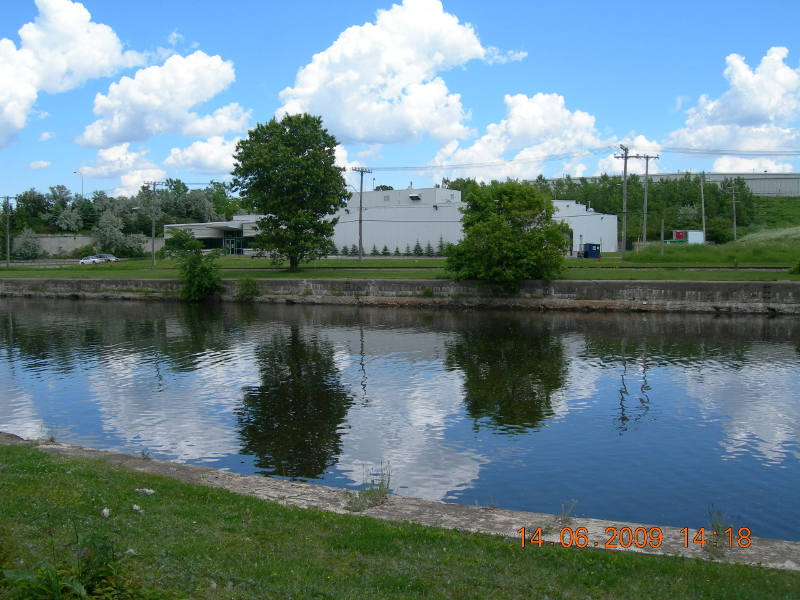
{"x": 208, "y": 543}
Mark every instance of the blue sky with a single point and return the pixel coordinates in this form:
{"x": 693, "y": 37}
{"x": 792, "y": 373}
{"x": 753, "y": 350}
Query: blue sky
{"x": 125, "y": 92}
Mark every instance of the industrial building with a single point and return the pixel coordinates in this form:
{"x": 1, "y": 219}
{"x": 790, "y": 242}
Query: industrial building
{"x": 399, "y": 218}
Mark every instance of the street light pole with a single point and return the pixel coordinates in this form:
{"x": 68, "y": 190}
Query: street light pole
{"x": 153, "y": 215}
{"x": 81, "y": 174}
{"x": 8, "y": 232}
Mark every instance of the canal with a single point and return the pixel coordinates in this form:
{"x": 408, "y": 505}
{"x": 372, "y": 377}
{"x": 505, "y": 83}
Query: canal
{"x": 642, "y": 418}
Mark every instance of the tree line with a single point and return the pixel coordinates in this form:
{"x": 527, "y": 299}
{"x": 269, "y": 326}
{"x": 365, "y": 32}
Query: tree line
{"x": 119, "y": 223}
{"x": 677, "y": 201}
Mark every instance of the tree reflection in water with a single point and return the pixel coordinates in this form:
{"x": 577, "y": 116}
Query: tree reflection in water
{"x": 291, "y": 421}
{"x": 510, "y": 370}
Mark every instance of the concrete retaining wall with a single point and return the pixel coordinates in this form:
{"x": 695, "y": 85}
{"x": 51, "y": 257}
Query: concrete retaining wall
{"x": 59, "y": 245}
{"x": 642, "y": 296}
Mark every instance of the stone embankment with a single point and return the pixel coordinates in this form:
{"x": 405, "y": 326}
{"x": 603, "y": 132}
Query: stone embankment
{"x": 778, "y": 554}
{"x": 725, "y": 297}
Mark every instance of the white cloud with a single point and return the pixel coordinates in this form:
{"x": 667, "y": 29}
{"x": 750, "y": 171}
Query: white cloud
{"x": 212, "y": 156}
{"x": 737, "y": 164}
{"x": 133, "y": 169}
{"x": 174, "y": 38}
{"x": 350, "y": 176}
{"x": 755, "y": 113}
{"x": 158, "y": 100}
{"x": 535, "y": 128}
{"x": 46, "y": 135}
{"x": 38, "y": 164}
{"x": 114, "y": 161}
{"x": 496, "y": 56}
{"x": 131, "y": 182}
{"x": 378, "y": 83}
{"x": 639, "y": 145}
{"x": 59, "y": 51}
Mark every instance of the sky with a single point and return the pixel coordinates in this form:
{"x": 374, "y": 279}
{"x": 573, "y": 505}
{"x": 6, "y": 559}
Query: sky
{"x": 104, "y": 95}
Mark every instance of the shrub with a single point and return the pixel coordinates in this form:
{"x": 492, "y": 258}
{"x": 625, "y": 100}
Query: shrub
{"x": 247, "y": 289}
{"x": 28, "y": 247}
{"x": 199, "y": 274}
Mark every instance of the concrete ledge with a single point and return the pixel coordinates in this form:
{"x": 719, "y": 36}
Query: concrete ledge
{"x": 724, "y": 297}
{"x": 763, "y": 552}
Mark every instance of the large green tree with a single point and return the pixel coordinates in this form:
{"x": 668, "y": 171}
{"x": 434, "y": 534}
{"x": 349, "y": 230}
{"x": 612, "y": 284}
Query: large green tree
{"x": 286, "y": 170}
{"x": 509, "y": 235}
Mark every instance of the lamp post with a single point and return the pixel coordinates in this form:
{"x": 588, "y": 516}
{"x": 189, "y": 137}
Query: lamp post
{"x": 81, "y": 174}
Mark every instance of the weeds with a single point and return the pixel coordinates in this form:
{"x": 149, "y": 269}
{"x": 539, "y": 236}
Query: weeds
{"x": 373, "y": 492}
{"x": 426, "y": 292}
{"x": 565, "y": 517}
{"x": 719, "y": 522}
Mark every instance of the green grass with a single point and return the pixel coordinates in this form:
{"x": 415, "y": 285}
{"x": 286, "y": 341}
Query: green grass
{"x": 770, "y": 247}
{"x": 656, "y": 274}
{"x": 209, "y": 543}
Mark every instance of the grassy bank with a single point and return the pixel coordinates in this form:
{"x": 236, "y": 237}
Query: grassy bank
{"x": 208, "y": 543}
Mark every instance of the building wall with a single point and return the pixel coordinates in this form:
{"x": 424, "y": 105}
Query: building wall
{"x": 394, "y": 219}
{"x": 588, "y": 227}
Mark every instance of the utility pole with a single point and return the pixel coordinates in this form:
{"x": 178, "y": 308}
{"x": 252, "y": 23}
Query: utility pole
{"x": 7, "y": 206}
{"x": 153, "y": 216}
{"x": 624, "y": 198}
{"x": 732, "y": 189}
{"x": 646, "y": 183}
{"x": 703, "y": 202}
{"x": 361, "y": 170}
{"x": 625, "y": 156}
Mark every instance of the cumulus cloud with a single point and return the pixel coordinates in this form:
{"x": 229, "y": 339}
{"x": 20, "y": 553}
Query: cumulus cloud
{"x": 131, "y": 182}
{"x": 114, "y": 161}
{"x": 535, "y": 129}
{"x": 755, "y": 113}
{"x": 378, "y": 83}
{"x": 37, "y": 164}
{"x": 341, "y": 158}
{"x": 158, "y": 100}
{"x": 46, "y": 135}
{"x": 737, "y": 164}
{"x": 59, "y": 51}
{"x": 215, "y": 155}
{"x": 133, "y": 168}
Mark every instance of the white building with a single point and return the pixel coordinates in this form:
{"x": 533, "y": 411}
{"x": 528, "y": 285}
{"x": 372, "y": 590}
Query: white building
{"x": 588, "y": 227}
{"x": 400, "y": 218}
{"x": 397, "y": 218}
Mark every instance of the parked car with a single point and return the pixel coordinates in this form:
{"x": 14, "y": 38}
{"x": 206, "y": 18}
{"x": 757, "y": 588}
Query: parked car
{"x": 91, "y": 260}
{"x": 108, "y": 257}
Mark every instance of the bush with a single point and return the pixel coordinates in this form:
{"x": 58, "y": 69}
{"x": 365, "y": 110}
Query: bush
{"x": 795, "y": 270}
{"x": 86, "y": 250}
{"x": 28, "y": 248}
{"x": 198, "y": 273}
{"x": 247, "y": 289}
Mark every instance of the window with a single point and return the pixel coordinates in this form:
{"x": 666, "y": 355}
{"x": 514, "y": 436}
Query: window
{"x": 386, "y": 198}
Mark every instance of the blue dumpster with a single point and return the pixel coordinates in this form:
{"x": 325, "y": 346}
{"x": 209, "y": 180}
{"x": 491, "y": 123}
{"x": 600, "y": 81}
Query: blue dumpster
{"x": 591, "y": 251}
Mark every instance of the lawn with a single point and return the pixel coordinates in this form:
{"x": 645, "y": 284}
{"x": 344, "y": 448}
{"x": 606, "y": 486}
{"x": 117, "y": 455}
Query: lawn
{"x": 203, "y": 542}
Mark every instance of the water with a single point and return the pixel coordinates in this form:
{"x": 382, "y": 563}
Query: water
{"x": 640, "y": 418}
